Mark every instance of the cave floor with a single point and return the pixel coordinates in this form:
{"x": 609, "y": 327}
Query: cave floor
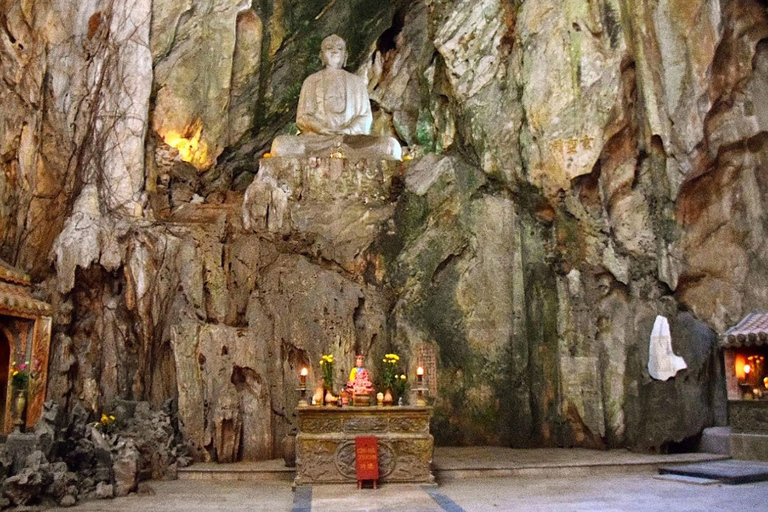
{"x": 471, "y": 480}
{"x": 598, "y": 493}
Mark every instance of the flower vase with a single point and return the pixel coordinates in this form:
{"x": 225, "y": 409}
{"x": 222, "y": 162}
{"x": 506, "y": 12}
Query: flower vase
{"x": 329, "y": 398}
{"x": 388, "y": 398}
{"x": 19, "y": 408}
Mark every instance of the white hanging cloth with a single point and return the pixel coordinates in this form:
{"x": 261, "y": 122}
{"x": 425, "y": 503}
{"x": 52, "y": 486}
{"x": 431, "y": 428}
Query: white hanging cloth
{"x": 662, "y": 362}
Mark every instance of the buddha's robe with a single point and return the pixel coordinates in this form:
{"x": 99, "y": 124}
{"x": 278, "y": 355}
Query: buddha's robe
{"x": 334, "y": 102}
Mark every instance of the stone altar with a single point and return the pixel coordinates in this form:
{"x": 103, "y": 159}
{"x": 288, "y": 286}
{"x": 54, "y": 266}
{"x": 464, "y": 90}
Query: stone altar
{"x": 325, "y": 444}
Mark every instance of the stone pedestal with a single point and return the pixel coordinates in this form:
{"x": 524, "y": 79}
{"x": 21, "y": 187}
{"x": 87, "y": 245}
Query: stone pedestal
{"x": 282, "y": 196}
{"x": 325, "y": 445}
{"x": 749, "y": 429}
{"x": 339, "y": 206}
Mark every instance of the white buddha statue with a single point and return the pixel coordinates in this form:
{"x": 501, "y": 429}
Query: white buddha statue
{"x": 334, "y": 113}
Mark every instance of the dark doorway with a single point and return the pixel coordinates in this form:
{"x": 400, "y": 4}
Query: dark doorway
{"x": 5, "y": 361}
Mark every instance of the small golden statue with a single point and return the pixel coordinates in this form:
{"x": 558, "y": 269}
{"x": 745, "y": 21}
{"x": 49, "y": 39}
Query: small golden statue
{"x": 359, "y": 383}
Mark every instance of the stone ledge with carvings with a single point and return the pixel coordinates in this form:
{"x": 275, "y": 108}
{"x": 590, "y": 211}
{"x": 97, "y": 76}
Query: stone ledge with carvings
{"x": 339, "y": 203}
{"x": 325, "y": 444}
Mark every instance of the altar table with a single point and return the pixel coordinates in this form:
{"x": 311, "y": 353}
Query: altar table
{"x": 325, "y": 444}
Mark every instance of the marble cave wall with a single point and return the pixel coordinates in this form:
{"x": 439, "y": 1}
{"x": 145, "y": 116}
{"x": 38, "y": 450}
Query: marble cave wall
{"x": 579, "y": 167}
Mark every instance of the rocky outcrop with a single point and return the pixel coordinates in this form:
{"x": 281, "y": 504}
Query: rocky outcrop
{"x": 573, "y": 170}
{"x": 66, "y": 459}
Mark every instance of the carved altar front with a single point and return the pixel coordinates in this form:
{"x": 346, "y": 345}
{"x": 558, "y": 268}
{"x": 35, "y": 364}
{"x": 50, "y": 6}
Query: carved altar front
{"x": 325, "y": 444}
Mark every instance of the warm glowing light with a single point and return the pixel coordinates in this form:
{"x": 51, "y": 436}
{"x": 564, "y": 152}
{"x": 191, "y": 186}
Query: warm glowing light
{"x": 420, "y": 371}
{"x": 765, "y": 382}
{"x": 303, "y": 377}
{"x": 189, "y": 144}
{"x": 747, "y": 369}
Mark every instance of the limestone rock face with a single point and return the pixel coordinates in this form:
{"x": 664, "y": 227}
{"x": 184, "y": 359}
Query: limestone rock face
{"x": 573, "y": 169}
{"x": 82, "y": 126}
{"x": 571, "y": 80}
{"x": 474, "y": 40}
{"x": 194, "y": 47}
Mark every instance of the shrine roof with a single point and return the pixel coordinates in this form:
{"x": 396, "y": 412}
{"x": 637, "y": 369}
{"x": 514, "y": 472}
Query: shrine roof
{"x": 15, "y": 294}
{"x": 17, "y": 300}
{"x": 11, "y": 274}
{"x": 752, "y": 330}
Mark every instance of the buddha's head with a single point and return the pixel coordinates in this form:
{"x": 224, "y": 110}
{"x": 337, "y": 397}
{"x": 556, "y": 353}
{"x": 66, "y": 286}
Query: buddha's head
{"x": 359, "y": 360}
{"x": 333, "y": 52}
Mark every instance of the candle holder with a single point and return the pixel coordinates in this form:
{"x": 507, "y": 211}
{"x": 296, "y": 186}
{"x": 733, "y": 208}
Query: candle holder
{"x": 302, "y": 396}
{"x": 420, "y": 400}
{"x": 420, "y": 389}
{"x": 302, "y": 389}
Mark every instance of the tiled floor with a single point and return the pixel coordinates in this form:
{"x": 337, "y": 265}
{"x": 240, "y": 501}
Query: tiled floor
{"x": 523, "y": 481}
{"x": 622, "y": 492}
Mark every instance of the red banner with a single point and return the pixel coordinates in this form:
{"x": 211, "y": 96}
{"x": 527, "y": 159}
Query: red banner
{"x": 367, "y": 458}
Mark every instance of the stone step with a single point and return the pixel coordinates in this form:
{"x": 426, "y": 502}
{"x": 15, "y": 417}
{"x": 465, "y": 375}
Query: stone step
{"x": 726, "y": 471}
{"x": 716, "y": 440}
{"x": 264, "y": 470}
{"x": 479, "y": 462}
{"x": 695, "y": 480}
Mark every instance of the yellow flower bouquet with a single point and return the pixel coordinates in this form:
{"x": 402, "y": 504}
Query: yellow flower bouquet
{"x": 390, "y": 370}
{"x": 326, "y": 365}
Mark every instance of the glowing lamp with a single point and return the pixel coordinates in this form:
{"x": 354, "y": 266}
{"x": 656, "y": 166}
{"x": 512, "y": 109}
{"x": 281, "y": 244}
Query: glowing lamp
{"x": 303, "y": 377}
{"x": 419, "y": 375}
{"x": 747, "y": 369}
{"x": 189, "y": 143}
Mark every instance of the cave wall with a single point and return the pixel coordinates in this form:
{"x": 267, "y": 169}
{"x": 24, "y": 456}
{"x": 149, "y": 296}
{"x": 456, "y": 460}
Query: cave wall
{"x": 579, "y": 167}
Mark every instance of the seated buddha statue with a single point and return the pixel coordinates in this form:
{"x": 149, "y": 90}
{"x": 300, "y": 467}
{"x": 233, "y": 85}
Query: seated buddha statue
{"x": 334, "y": 114}
{"x": 359, "y": 383}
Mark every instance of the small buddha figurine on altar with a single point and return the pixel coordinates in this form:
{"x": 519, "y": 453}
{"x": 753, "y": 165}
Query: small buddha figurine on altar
{"x": 359, "y": 383}
{"x": 334, "y": 114}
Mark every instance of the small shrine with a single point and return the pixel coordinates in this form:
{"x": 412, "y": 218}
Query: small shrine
{"x": 25, "y": 338}
{"x": 745, "y": 350}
